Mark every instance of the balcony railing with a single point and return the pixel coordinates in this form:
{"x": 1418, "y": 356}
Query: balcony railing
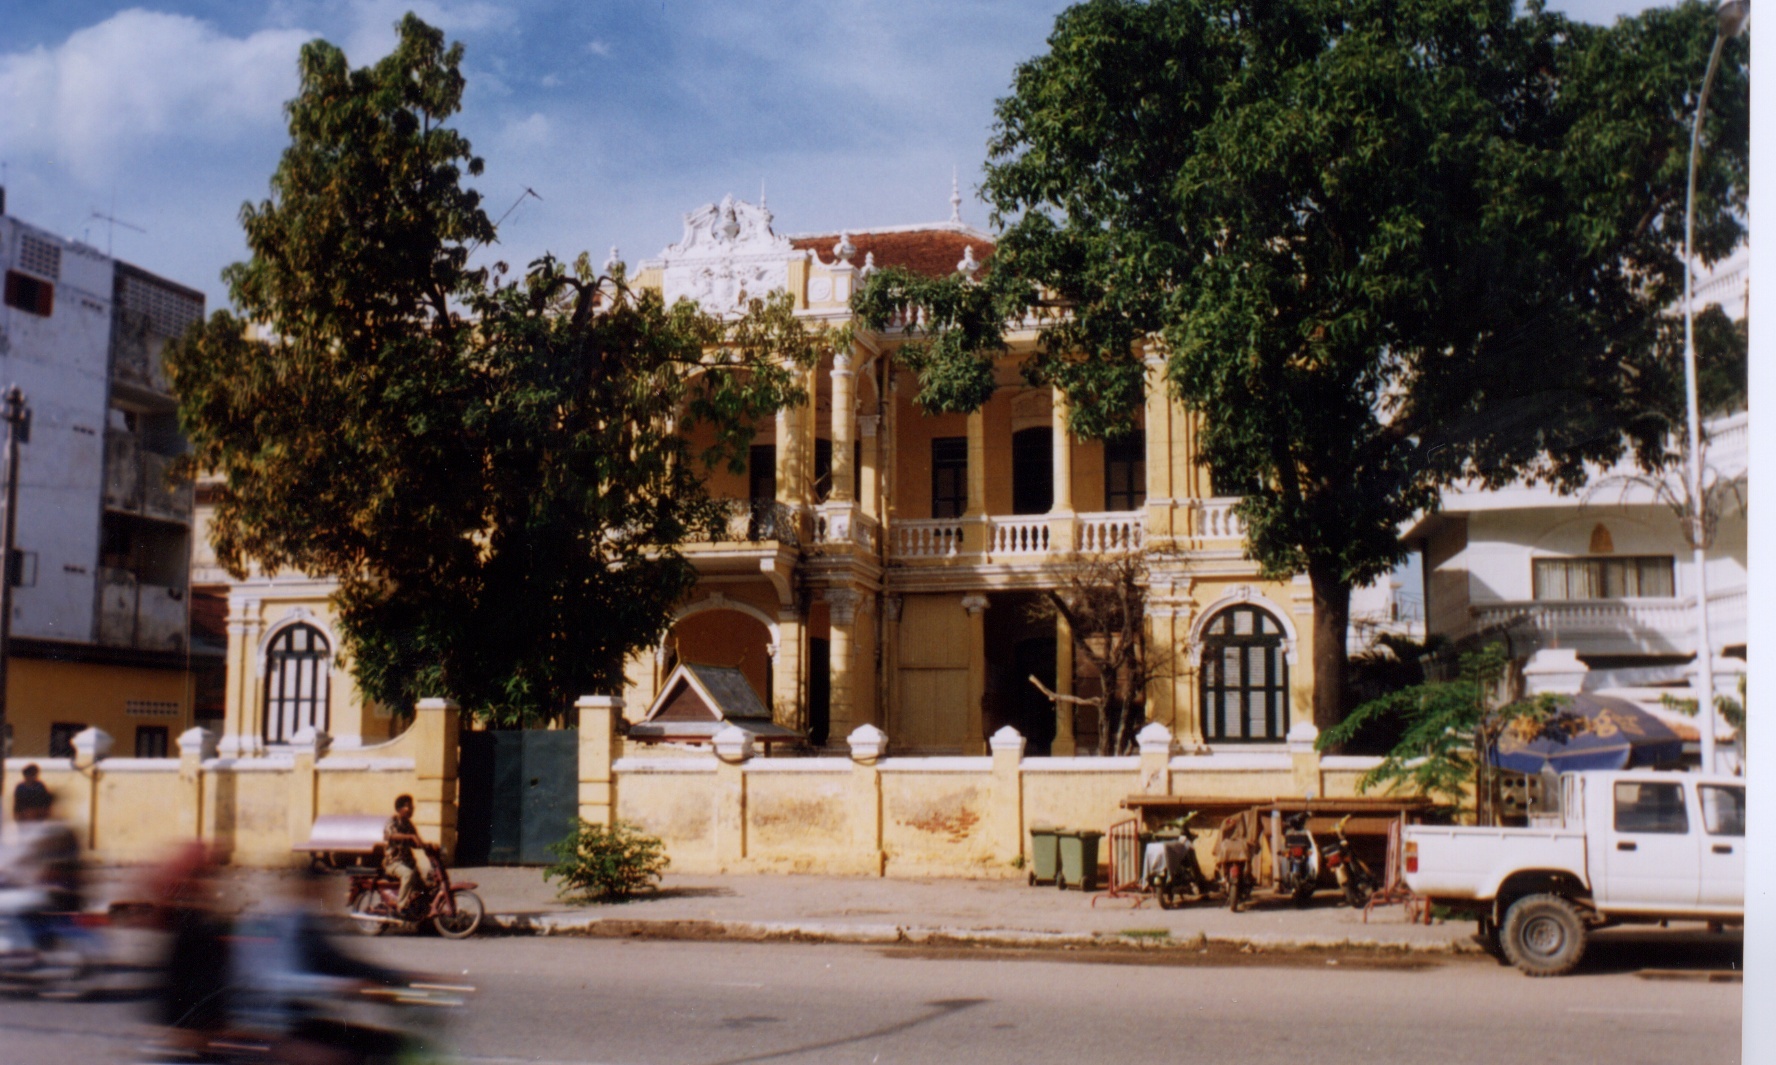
{"x": 1112, "y": 531}
{"x": 752, "y": 521}
{"x": 1017, "y": 536}
{"x": 1618, "y": 625}
{"x": 931, "y": 538}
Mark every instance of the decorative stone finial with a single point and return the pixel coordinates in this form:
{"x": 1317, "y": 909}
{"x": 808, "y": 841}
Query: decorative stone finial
{"x": 968, "y": 266}
{"x": 732, "y": 744}
{"x": 614, "y": 263}
{"x": 955, "y": 199}
{"x": 844, "y": 249}
{"x": 868, "y": 743}
{"x": 869, "y": 264}
{"x": 1007, "y": 739}
{"x": 1154, "y": 738}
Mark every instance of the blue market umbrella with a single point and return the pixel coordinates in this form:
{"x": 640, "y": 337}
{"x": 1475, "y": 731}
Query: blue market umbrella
{"x": 1588, "y": 732}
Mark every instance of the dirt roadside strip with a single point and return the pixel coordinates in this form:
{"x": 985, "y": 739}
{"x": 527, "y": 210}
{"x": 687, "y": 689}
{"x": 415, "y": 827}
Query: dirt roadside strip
{"x": 941, "y": 936}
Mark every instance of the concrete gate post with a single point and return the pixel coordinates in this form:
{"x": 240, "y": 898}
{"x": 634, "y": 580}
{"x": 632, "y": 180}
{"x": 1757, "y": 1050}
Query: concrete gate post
{"x": 733, "y": 749}
{"x": 1007, "y": 807}
{"x": 598, "y": 716}
{"x": 868, "y": 744}
{"x": 438, "y": 728}
{"x": 195, "y": 745}
{"x": 1155, "y": 741}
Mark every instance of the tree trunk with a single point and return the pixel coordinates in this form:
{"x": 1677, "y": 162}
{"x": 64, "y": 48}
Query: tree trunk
{"x": 1331, "y": 659}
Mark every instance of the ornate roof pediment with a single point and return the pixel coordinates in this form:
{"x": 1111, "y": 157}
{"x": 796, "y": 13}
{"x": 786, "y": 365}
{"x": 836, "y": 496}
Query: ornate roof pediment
{"x": 728, "y": 255}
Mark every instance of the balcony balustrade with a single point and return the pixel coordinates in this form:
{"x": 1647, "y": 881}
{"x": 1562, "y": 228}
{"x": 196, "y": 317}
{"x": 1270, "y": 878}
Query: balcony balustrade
{"x": 1616, "y": 626}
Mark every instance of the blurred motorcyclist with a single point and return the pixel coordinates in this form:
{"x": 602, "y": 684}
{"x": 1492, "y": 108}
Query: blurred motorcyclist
{"x": 287, "y": 968}
{"x": 41, "y": 874}
{"x": 192, "y": 1003}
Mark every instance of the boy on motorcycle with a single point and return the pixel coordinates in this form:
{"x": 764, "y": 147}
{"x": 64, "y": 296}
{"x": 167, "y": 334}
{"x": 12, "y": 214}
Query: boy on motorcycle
{"x": 399, "y": 857}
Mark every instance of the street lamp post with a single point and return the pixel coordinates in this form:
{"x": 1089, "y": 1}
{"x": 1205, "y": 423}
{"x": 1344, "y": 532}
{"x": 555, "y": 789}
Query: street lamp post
{"x": 1731, "y": 15}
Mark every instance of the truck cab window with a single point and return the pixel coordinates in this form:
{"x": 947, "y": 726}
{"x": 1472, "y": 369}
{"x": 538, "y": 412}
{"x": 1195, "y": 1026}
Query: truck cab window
{"x": 1645, "y": 806}
{"x": 1723, "y": 810}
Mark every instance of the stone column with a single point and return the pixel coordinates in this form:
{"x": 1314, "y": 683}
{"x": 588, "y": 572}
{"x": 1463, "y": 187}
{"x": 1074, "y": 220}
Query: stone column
{"x": 890, "y": 679}
{"x": 1006, "y": 826}
{"x": 1160, "y": 636}
{"x": 436, "y": 725}
{"x": 1063, "y": 457}
{"x": 1155, "y": 741}
{"x": 976, "y": 737}
{"x": 195, "y": 746}
{"x": 598, "y": 716}
{"x": 844, "y": 471}
{"x": 974, "y": 528}
{"x": 868, "y": 745}
{"x": 242, "y": 726}
{"x": 1064, "y": 745}
{"x": 786, "y": 670}
{"x": 733, "y": 748}
{"x": 1159, "y": 454}
{"x": 842, "y": 606}
{"x": 869, "y": 475}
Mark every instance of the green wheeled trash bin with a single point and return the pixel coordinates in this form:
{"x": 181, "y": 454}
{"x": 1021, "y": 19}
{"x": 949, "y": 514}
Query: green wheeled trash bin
{"x": 1079, "y": 860}
{"x": 1043, "y": 854}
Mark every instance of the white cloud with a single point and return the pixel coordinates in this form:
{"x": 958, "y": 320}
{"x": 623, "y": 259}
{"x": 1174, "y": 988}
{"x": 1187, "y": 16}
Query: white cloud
{"x": 138, "y": 78}
{"x": 602, "y": 49}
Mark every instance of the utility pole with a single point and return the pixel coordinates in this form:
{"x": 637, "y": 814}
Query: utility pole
{"x": 18, "y": 429}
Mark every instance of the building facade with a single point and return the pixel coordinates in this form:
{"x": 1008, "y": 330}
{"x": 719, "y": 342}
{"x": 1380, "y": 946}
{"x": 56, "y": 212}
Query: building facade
{"x": 101, "y": 626}
{"x": 886, "y": 566}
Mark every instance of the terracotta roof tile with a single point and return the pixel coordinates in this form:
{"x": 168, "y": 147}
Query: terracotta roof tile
{"x": 933, "y": 252}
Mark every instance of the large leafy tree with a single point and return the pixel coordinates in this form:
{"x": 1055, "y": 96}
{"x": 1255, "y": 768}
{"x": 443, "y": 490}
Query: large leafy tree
{"x": 494, "y": 468}
{"x": 1382, "y": 245}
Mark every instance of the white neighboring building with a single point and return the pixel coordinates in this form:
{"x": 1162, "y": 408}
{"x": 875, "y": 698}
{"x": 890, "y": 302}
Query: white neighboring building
{"x": 1605, "y": 573}
{"x": 101, "y": 613}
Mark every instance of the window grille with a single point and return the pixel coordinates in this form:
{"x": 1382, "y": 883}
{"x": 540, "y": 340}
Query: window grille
{"x": 297, "y": 679}
{"x": 40, "y": 257}
{"x": 1244, "y": 678}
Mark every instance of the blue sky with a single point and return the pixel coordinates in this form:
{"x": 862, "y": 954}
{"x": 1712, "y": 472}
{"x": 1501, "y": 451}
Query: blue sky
{"x": 620, "y": 115}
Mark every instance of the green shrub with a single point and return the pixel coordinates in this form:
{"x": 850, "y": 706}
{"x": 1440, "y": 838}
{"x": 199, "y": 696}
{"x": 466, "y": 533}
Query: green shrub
{"x": 608, "y": 864}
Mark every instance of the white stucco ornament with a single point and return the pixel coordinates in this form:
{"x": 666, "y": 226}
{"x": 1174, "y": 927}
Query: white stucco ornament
{"x": 732, "y": 744}
{"x": 197, "y": 742}
{"x": 1154, "y": 738}
{"x": 844, "y": 249}
{"x": 867, "y": 742}
{"x": 728, "y": 255}
{"x": 1302, "y": 737}
{"x": 90, "y": 745}
{"x": 968, "y": 267}
{"x": 1007, "y": 739}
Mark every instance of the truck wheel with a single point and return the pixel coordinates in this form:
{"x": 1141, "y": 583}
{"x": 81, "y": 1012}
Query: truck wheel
{"x": 1543, "y": 935}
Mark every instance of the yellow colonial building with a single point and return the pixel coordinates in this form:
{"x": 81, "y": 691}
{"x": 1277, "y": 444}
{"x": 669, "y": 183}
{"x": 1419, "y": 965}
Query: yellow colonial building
{"x": 881, "y": 565}
{"x": 884, "y": 566}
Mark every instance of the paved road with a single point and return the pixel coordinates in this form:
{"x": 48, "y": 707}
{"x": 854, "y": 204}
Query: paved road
{"x": 577, "y": 1002}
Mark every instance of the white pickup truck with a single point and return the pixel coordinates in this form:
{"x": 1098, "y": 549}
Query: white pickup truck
{"x": 1624, "y": 846}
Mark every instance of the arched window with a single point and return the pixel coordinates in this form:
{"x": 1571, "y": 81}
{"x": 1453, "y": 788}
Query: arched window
{"x": 297, "y": 667}
{"x": 1244, "y": 678}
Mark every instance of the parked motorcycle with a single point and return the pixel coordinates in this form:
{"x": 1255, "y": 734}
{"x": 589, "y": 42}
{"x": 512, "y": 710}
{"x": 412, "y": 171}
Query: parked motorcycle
{"x": 1355, "y": 879}
{"x": 1233, "y": 856}
{"x": 1298, "y": 866}
{"x": 453, "y": 909}
{"x": 1179, "y": 877}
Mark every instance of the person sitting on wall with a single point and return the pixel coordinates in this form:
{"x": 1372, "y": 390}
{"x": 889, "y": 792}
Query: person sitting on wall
{"x": 399, "y": 858}
{"x": 31, "y": 799}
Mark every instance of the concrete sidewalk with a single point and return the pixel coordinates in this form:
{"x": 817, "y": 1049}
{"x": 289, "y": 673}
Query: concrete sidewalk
{"x": 812, "y": 908}
{"x": 984, "y": 912}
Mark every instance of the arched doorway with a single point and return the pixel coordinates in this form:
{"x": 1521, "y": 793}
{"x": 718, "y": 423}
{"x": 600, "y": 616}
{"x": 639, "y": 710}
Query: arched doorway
{"x": 723, "y": 637}
{"x": 298, "y": 668}
{"x": 1244, "y": 679}
{"x": 1032, "y": 470}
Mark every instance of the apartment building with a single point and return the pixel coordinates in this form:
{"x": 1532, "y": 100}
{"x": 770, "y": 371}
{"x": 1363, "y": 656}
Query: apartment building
{"x": 101, "y": 614}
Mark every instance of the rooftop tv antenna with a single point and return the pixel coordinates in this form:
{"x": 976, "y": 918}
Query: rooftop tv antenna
{"x": 111, "y": 224}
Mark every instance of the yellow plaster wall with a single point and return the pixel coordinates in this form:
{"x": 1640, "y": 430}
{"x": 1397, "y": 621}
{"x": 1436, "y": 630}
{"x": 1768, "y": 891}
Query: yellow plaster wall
{"x": 40, "y": 693}
{"x": 797, "y": 821}
{"x": 912, "y": 461}
{"x": 936, "y": 824}
{"x": 679, "y": 808}
{"x": 132, "y": 808}
{"x": 1086, "y": 799}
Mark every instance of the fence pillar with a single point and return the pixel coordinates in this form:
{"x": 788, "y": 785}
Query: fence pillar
{"x": 1155, "y": 741}
{"x": 437, "y": 726}
{"x": 1007, "y": 824}
{"x": 868, "y": 744}
{"x": 311, "y": 746}
{"x": 195, "y": 746}
{"x": 598, "y": 716}
{"x": 90, "y": 746}
{"x": 1304, "y": 759}
{"x": 733, "y": 748}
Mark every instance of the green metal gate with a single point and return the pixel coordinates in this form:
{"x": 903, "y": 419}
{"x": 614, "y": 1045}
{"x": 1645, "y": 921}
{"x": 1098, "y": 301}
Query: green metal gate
{"x": 519, "y": 792}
